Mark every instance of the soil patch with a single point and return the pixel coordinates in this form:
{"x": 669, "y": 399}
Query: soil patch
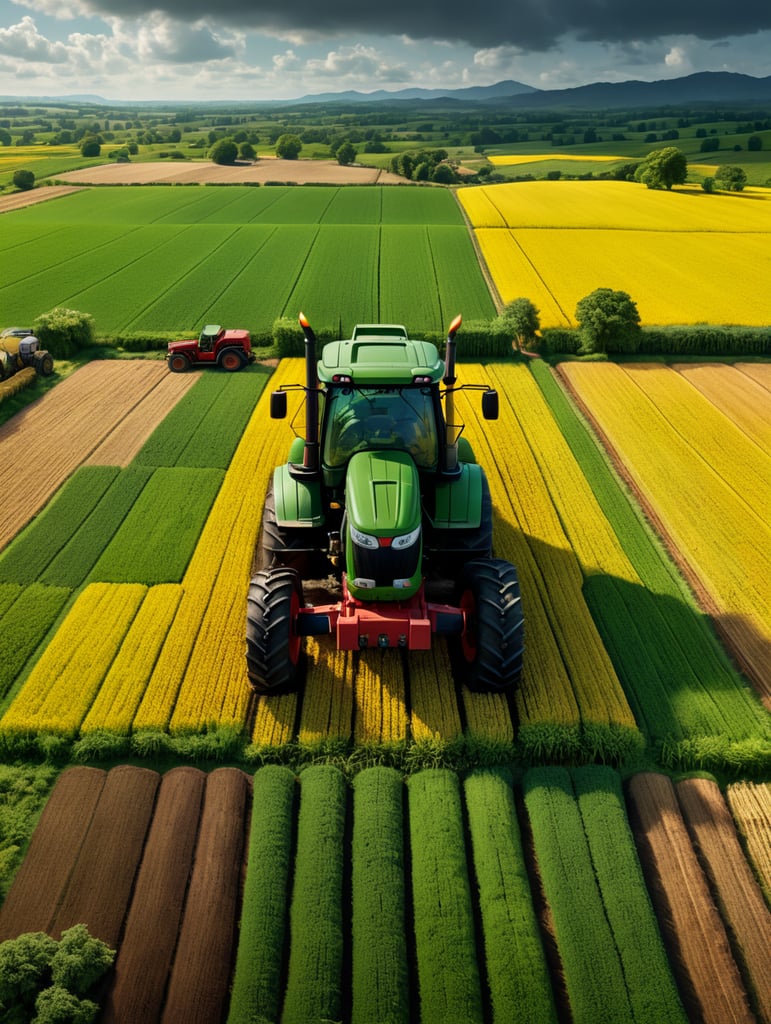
{"x": 182, "y": 172}
{"x": 37, "y": 889}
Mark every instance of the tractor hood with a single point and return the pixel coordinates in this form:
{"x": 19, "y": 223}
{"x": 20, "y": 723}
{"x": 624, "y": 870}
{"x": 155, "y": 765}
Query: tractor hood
{"x": 383, "y": 540}
{"x": 383, "y": 493}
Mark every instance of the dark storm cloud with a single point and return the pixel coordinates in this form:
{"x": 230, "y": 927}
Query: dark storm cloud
{"x": 528, "y": 24}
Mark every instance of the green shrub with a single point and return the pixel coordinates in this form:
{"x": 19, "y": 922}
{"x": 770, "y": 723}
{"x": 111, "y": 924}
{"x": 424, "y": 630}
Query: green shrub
{"x": 24, "y": 180}
{"x": 64, "y": 331}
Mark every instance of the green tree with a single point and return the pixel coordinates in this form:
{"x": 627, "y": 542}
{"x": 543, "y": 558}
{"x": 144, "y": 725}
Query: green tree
{"x": 246, "y": 151}
{"x": 607, "y": 319}
{"x": 663, "y": 168}
{"x": 288, "y": 146}
{"x": 521, "y": 318}
{"x": 24, "y": 180}
{"x": 443, "y": 174}
{"x": 90, "y": 146}
{"x": 346, "y": 153}
{"x": 730, "y": 178}
{"x": 755, "y": 143}
{"x": 5, "y": 137}
{"x": 224, "y": 151}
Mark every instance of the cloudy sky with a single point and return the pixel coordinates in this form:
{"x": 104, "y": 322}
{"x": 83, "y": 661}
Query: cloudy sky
{"x": 283, "y": 49}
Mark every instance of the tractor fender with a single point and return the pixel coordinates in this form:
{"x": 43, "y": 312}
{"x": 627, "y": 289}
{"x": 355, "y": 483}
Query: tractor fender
{"x": 298, "y": 501}
{"x": 458, "y": 501}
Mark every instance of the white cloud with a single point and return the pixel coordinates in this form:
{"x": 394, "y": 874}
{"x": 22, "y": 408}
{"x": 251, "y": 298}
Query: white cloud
{"x": 24, "y": 42}
{"x": 676, "y": 58}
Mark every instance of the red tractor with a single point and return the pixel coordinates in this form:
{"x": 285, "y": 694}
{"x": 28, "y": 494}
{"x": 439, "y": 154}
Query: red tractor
{"x": 215, "y": 347}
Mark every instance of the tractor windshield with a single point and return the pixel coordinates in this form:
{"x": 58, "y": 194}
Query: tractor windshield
{"x": 376, "y": 418}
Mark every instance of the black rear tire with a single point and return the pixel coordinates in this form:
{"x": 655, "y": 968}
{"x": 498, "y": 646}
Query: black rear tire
{"x": 290, "y": 547}
{"x": 273, "y": 645}
{"x": 492, "y": 648}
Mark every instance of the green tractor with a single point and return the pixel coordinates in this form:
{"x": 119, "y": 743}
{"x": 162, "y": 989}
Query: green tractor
{"x": 383, "y": 508}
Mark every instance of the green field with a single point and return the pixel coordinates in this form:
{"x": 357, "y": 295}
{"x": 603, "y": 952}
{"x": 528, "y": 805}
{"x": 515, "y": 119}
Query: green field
{"x": 170, "y": 259}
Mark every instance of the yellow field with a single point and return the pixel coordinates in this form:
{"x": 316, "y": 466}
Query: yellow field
{"x": 511, "y": 160}
{"x": 683, "y": 256}
{"x": 705, "y": 481}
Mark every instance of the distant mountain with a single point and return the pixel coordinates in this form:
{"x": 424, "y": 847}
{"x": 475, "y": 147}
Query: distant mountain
{"x": 475, "y": 93}
{"x": 703, "y": 87}
{"x": 79, "y": 98}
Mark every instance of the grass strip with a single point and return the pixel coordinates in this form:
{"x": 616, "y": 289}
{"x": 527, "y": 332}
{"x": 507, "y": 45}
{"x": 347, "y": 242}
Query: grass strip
{"x": 257, "y": 983}
{"x": 314, "y": 978}
{"x": 380, "y": 967}
{"x": 517, "y": 974}
{"x": 448, "y": 973}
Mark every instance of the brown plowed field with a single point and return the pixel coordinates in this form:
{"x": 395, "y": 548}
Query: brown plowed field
{"x": 200, "y": 979}
{"x": 695, "y": 935}
{"x": 46, "y": 442}
{"x": 299, "y": 172}
{"x": 743, "y": 908}
{"x": 142, "y": 967}
{"x": 18, "y": 200}
{"x": 127, "y": 437}
{"x": 99, "y": 888}
{"x": 33, "y": 899}
{"x": 153, "y": 866}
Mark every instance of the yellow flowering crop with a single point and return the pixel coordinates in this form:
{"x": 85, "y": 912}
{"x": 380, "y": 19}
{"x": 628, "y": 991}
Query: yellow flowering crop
{"x": 433, "y": 700}
{"x": 124, "y": 685}
{"x": 61, "y": 687}
{"x": 683, "y": 256}
{"x": 714, "y": 522}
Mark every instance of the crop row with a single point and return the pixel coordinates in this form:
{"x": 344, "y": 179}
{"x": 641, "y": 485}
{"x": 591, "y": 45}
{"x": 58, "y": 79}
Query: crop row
{"x": 717, "y": 529}
{"x": 429, "y": 897}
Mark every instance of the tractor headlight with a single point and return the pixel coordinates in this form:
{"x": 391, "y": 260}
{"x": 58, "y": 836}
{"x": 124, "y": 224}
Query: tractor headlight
{"x": 364, "y": 540}
{"x": 406, "y": 540}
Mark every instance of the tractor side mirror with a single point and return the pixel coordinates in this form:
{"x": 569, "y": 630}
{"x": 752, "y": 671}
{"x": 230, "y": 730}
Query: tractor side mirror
{"x": 490, "y": 404}
{"x": 278, "y": 405}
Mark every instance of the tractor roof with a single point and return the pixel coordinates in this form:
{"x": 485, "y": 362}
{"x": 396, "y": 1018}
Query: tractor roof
{"x": 373, "y": 361}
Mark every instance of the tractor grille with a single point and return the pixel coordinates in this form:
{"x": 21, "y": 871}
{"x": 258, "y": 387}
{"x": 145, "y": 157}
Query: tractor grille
{"x": 384, "y": 565}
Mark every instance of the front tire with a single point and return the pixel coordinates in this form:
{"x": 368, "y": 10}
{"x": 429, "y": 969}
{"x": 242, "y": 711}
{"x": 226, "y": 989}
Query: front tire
{"x": 273, "y": 645}
{"x": 178, "y": 363}
{"x": 492, "y": 647}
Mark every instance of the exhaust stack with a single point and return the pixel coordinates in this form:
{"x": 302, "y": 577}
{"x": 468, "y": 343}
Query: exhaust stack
{"x": 311, "y": 460}
{"x": 451, "y": 447}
